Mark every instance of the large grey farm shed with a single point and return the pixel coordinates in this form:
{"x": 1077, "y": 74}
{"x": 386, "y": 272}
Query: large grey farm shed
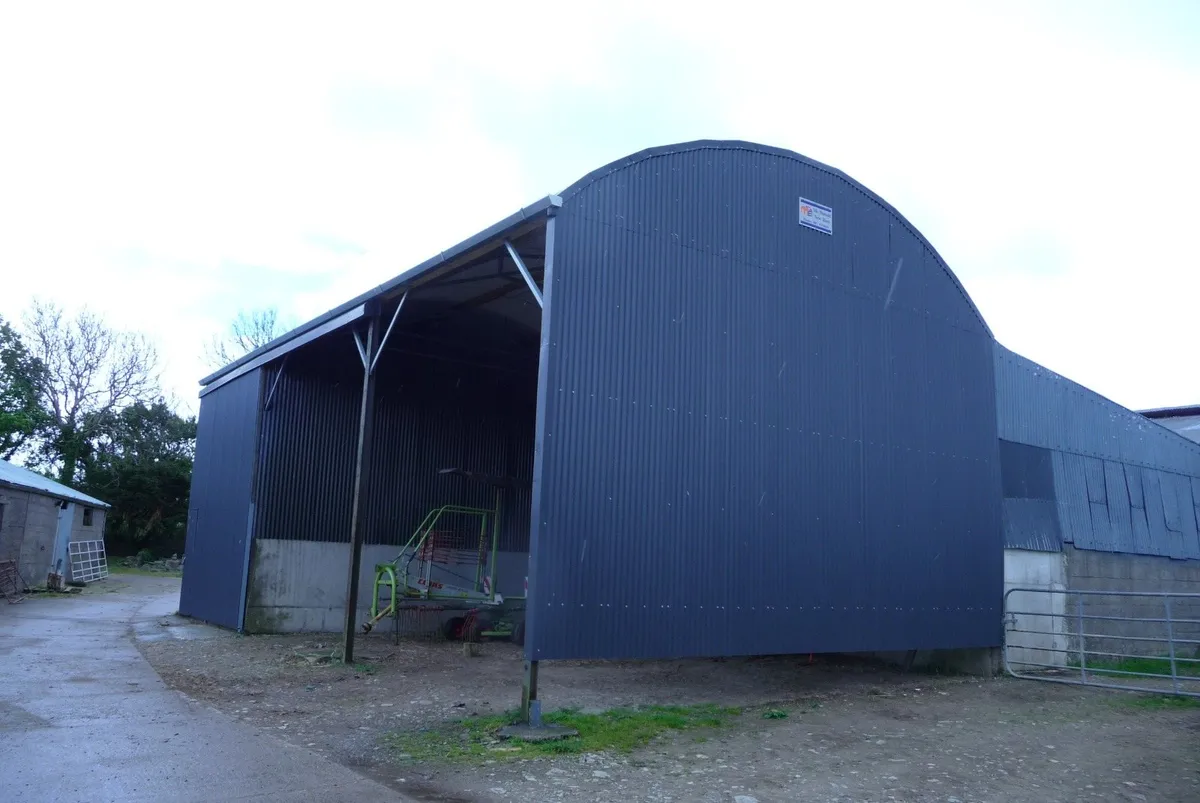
{"x": 742, "y": 407}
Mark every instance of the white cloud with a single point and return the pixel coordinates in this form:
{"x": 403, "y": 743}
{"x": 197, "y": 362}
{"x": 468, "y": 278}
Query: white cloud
{"x": 169, "y": 168}
{"x": 1003, "y": 140}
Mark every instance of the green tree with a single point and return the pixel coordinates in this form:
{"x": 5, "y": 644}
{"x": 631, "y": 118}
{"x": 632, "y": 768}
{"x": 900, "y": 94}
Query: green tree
{"x": 21, "y": 374}
{"x": 91, "y": 372}
{"x": 142, "y": 466}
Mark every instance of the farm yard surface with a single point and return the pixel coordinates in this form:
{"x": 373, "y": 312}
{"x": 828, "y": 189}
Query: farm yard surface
{"x": 420, "y": 717}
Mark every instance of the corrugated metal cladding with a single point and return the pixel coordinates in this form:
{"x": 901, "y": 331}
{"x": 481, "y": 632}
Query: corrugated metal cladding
{"x": 428, "y": 417}
{"x": 1030, "y": 515}
{"x": 758, "y": 437}
{"x": 1121, "y": 483}
{"x": 220, "y": 510}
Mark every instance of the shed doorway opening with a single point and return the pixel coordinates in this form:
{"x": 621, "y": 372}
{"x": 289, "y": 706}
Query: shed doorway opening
{"x": 444, "y": 489}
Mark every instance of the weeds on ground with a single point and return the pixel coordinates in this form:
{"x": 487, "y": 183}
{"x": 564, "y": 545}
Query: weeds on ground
{"x": 619, "y": 729}
{"x": 1133, "y": 667}
{"x": 1163, "y": 702}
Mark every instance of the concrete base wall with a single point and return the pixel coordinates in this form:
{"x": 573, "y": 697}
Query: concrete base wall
{"x": 983, "y": 661}
{"x": 1043, "y": 614}
{"x": 300, "y": 586}
{"x": 1087, "y": 570}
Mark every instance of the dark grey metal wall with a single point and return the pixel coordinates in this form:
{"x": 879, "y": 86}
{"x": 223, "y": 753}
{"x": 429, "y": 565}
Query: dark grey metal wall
{"x": 758, "y": 437}
{"x": 1027, "y": 482}
{"x": 220, "y": 512}
{"x": 428, "y": 417}
{"x": 1121, "y": 482}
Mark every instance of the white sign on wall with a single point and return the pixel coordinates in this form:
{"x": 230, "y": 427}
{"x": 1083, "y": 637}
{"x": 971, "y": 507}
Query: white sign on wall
{"x": 816, "y": 216}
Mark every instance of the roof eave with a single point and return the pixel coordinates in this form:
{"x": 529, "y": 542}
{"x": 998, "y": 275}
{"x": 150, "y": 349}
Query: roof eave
{"x": 82, "y": 499}
{"x": 1171, "y": 412}
{"x": 279, "y": 345}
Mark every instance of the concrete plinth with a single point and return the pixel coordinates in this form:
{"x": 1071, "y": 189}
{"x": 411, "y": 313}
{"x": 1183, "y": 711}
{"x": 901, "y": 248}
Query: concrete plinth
{"x": 542, "y": 733}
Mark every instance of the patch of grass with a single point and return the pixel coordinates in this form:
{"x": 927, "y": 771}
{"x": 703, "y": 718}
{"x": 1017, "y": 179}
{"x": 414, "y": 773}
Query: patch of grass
{"x": 619, "y": 729}
{"x": 1132, "y": 667}
{"x": 774, "y": 713}
{"x": 1163, "y": 702}
{"x": 117, "y": 569}
{"x": 364, "y": 668}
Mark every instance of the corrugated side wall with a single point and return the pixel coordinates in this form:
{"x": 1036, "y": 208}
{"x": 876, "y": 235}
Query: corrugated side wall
{"x": 456, "y": 419}
{"x": 220, "y": 510}
{"x": 758, "y": 437}
{"x": 1120, "y": 482}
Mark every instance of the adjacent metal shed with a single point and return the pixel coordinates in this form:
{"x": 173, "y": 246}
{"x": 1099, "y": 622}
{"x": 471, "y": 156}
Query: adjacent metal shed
{"x": 745, "y": 407}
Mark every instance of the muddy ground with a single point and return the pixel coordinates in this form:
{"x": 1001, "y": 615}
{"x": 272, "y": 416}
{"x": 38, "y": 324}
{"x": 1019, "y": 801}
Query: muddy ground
{"x": 854, "y": 732}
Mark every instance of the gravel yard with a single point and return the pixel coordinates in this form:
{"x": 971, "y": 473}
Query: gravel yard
{"x": 835, "y": 731}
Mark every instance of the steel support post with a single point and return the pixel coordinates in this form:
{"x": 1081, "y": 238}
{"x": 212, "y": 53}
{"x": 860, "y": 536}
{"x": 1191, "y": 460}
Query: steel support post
{"x": 362, "y": 469}
{"x": 530, "y": 714}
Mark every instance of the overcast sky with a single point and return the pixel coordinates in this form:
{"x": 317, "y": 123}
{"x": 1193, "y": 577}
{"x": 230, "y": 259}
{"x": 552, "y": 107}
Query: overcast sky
{"x": 169, "y": 168}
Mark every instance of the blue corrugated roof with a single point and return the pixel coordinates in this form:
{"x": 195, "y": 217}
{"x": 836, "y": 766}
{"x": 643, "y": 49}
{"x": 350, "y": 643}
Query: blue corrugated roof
{"x": 17, "y": 477}
{"x": 1122, "y": 483}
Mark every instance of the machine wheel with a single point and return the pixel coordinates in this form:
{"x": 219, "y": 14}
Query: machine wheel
{"x": 518, "y": 634}
{"x": 453, "y": 628}
{"x": 474, "y": 627}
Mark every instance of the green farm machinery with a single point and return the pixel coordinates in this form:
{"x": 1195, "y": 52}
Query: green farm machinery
{"x": 449, "y": 564}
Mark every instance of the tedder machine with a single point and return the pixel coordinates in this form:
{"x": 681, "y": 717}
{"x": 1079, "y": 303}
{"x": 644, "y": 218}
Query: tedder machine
{"x": 447, "y": 571}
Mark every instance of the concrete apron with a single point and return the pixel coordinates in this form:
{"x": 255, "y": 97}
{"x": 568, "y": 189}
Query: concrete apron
{"x": 84, "y": 717}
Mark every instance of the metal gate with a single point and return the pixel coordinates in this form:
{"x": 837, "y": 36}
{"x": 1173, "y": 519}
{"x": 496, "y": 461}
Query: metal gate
{"x": 1146, "y": 641}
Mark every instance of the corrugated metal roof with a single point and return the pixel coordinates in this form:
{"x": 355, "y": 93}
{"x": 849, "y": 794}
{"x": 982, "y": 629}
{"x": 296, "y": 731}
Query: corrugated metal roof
{"x": 523, "y": 216}
{"x": 16, "y": 477}
{"x": 1040, "y": 407}
{"x": 1122, "y": 482}
{"x": 1171, "y": 412}
{"x": 649, "y": 155}
{"x": 1186, "y": 425}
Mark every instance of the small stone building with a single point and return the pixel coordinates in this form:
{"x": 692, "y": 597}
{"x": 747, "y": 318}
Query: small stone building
{"x": 40, "y": 519}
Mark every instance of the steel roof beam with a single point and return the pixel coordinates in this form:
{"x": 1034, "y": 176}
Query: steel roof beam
{"x": 533, "y": 288}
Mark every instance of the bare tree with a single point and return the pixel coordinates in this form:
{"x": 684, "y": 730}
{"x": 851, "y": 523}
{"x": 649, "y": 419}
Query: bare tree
{"x": 91, "y": 370}
{"x": 248, "y": 331}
